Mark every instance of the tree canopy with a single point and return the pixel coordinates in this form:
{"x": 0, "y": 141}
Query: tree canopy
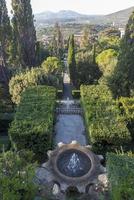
{"x": 71, "y": 60}
{"x": 122, "y": 81}
{"x": 24, "y": 31}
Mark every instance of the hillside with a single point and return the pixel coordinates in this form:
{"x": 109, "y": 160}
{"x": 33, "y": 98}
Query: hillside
{"x": 120, "y": 17}
{"x": 63, "y": 16}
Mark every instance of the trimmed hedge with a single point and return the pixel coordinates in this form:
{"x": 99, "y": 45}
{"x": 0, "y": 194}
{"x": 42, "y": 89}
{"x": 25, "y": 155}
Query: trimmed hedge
{"x": 33, "y": 124}
{"x": 126, "y": 105}
{"x": 76, "y": 94}
{"x": 121, "y": 176}
{"x": 104, "y": 121}
{"x": 31, "y": 78}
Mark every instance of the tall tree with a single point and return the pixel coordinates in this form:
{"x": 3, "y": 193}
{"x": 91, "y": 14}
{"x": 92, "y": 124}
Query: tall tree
{"x": 71, "y": 60}
{"x": 122, "y": 81}
{"x": 57, "y": 46}
{"x": 89, "y": 37}
{"x": 24, "y": 32}
{"x": 88, "y": 71}
{"x": 5, "y": 31}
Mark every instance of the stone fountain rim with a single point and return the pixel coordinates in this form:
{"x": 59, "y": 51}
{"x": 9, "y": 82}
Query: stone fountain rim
{"x": 74, "y": 147}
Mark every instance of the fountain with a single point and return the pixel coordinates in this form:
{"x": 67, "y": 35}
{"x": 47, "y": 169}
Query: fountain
{"x": 70, "y": 166}
{"x": 68, "y": 103}
{"x": 73, "y": 163}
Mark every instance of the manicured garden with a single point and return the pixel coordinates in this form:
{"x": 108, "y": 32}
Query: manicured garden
{"x": 105, "y": 123}
{"x": 127, "y": 108}
{"x": 32, "y": 127}
{"x": 120, "y": 169}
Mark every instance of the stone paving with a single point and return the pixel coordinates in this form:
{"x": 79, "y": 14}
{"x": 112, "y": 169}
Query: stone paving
{"x": 69, "y": 128}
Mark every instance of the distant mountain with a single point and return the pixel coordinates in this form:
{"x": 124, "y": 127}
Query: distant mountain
{"x": 63, "y": 16}
{"x": 120, "y": 17}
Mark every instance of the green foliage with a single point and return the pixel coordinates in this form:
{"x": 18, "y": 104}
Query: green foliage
{"x": 122, "y": 81}
{"x": 76, "y": 94}
{"x": 16, "y": 176}
{"x": 5, "y": 101}
{"x": 107, "y": 61}
{"x": 52, "y": 66}
{"x": 24, "y": 32}
{"x": 103, "y": 117}
{"x": 41, "y": 52}
{"x": 127, "y": 107}
{"x": 120, "y": 169}
{"x": 89, "y": 37}
{"x": 87, "y": 71}
{"x": 56, "y": 46}
{"x": 36, "y": 76}
{"x": 33, "y": 123}
{"x": 109, "y": 39}
{"x": 5, "y": 31}
{"x": 71, "y": 60}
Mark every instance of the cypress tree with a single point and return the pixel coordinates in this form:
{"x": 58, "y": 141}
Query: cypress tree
{"x": 5, "y": 31}
{"x": 24, "y": 32}
{"x": 57, "y": 42}
{"x": 85, "y": 39}
{"x": 122, "y": 81}
{"x": 71, "y": 60}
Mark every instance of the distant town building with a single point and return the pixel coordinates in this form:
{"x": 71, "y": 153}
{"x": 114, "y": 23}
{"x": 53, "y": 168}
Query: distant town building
{"x": 46, "y": 39}
{"x": 122, "y": 31}
{"x": 78, "y": 38}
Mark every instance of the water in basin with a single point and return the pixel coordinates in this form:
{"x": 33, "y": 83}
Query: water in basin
{"x": 73, "y": 163}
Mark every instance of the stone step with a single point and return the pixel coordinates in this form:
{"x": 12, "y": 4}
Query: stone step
{"x": 69, "y": 111}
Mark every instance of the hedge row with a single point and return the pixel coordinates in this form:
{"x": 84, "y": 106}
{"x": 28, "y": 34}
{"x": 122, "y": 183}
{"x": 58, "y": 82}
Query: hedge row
{"x": 127, "y": 108}
{"x": 75, "y": 94}
{"x": 31, "y": 78}
{"x": 103, "y": 118}
{"x": 33, "y": 124}
{"x": 121, "y": 176}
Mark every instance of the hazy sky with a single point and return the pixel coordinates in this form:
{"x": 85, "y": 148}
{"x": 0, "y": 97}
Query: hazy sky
{"x": 82, "y": 6}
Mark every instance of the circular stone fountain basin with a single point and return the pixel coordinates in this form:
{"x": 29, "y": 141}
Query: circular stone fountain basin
{"x": 73, "y": 163}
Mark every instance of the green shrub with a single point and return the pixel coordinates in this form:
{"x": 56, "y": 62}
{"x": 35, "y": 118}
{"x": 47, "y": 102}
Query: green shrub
{"x": 121, "y": 175}
{"x": 59, "y": 94}
{"x": 103, "y": 118}
{"x": 76, "y": 94}
{"x": 126, "y": 105}
{"x": 16, "y": 176}
{"x": 33, "y": 123}
{"x": 52, "y": 65}
{"x": 107, "y": 61}
{"x": 49, "y": 74}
